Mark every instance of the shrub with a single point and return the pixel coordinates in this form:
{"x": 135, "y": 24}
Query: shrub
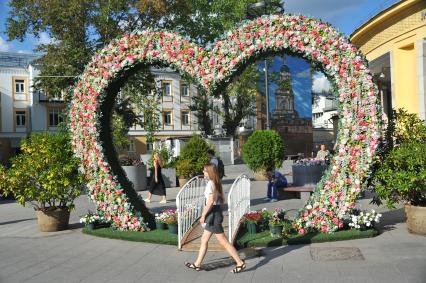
{"x": 45, "y": 174}
{"x": 195, "y": 151}
{"x": 264, "y": 150}
{"x": 183, "y": 168}
{"x": 402, "y": 175}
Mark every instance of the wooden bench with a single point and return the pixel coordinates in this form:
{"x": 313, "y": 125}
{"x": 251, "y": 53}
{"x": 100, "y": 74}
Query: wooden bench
{"x": 302, "y": 192}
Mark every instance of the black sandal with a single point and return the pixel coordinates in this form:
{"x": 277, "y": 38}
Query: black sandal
{"x": 192, "y": 266}
{"x": 239, "y": 268}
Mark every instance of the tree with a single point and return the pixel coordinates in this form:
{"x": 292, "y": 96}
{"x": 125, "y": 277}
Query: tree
{"x": 239, "y": 100}
{"x": 202, "y": 105}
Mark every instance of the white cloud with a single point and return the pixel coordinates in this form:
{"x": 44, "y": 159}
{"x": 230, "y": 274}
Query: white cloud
{"x": 4, "y": 45}
{"x": 320, "y": 83}
{"x": 304, "y": 74}
{"x": 46, "y": 39}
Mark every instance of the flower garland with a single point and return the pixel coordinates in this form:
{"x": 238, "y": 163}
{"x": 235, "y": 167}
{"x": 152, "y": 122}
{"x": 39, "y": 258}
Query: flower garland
{"x": 318, "y": 42}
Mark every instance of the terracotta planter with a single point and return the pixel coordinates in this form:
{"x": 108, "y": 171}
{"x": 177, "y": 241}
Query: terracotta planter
{"x": 416, "y": 219}
{"x": 182, "y": 182}
{"x": 260, "y": 175}
{"x": 53, "y": 220}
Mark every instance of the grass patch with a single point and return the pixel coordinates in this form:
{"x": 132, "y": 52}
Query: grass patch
{"x": 264, "y": 239}
{"x": 154, "y": 236}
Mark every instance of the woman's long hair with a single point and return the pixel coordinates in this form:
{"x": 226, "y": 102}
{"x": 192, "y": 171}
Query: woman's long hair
{"x": 214, "y": 177}
{"x": 157, "y": 159}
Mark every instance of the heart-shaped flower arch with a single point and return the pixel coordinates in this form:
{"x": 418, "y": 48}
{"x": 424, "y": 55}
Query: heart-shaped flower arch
{"x": 319, "y": 43}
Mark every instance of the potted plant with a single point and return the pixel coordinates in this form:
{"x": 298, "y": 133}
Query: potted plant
{"x": 135, "y": 171}
{"x": 45, "y": 175}
{"x": 160, "y": 220}
{"x": 251, "y": 220}
{"x": 402, "y": 177}
{"x": 183, "y": 170}
{"x": 91, "y": 220}
{"x": 276, "y": 222}
{"x": 263, "y": 150}
{"x": 195, "y": 152}
{"x": 171, "y": 219}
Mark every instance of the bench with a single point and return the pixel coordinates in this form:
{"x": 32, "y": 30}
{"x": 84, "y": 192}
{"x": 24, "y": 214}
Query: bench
{"x": 302, "y": 192}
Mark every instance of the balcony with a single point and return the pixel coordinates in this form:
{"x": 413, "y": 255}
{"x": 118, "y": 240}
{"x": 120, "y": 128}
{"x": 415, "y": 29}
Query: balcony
{"x": 43, "y": 98}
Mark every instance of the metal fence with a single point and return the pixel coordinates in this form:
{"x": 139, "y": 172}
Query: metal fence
{"x": 238, "y": 203}
{"x": 190, "y": 203}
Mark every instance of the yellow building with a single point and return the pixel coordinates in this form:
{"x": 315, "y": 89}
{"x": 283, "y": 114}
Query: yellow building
{"x": 394, "y": 42}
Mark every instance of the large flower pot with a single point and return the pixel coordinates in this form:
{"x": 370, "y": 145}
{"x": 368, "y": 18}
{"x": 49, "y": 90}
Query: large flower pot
{"x": 276, "y": 230}
{"x": 416, "y": 219}
{"x": 251, "y": 228}
{"x": 173, "y": 228}
{"x": 169, "y": 177}
{"x": 160, "y": 225}
{"x": 136, "y": 175}
{"x": 260, "y": 175}
{"x": 53, "y": 220}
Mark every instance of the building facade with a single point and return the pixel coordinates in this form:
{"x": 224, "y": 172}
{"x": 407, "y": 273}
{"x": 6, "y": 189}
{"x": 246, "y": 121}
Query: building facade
{"x": 324, "y": 115}
{"x": 22, "y": 109}
{"x": 394, "y": 42}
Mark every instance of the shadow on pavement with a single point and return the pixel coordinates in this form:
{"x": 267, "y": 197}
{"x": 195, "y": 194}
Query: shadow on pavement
{"x": 390, "y": 218}
{"x": 273, "y": 253}
{"x": 16, "y": 221}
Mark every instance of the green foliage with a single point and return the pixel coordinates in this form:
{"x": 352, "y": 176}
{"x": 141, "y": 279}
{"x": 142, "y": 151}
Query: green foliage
{"x": 195, "y": 151}
{"x": 183, "y": 168}
{"x": 201, "y": 105}
{"x": 407, "y": 131}
{"x": 263, "y": 150}
{"x": 239, "y": 100}
{"x": 45, "y": 173}
{"x": 408, "y": 127}
{"x": 402, "y": 175}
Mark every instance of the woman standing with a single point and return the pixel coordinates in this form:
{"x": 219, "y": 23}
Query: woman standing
{"x": 156, "y": 185}
{"x": 211, "y": 219}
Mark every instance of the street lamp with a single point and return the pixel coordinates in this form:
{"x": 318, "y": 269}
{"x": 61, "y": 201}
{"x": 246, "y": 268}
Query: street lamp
{"x": 256, "y": 10}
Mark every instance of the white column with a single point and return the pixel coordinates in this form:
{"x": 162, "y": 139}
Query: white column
{"x": 421, "y": 76}
{"x": 31, "y": 96}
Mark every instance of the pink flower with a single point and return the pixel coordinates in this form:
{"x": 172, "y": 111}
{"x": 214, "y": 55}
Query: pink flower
{"x": 301, "y": 231}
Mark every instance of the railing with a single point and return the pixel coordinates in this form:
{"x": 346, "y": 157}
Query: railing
{"x": 190, "y": 203}
{"x": 238, "y": 203}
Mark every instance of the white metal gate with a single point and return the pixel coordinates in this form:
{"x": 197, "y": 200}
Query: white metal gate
{"x": 238, "y": 203}
{"x": 190, "y": 203}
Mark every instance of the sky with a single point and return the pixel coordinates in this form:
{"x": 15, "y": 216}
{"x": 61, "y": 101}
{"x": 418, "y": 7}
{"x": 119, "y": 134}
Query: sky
{"x": 345, "y": 15}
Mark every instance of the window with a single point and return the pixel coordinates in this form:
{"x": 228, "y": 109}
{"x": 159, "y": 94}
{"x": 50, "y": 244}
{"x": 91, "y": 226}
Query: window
{"x": 184, "y": 91}
{"x": 167, "y": 118}
{"x": 185, "y": 118}
{"x": 20, "y": 118}
{"x": 132, "y": 147}
{"x": 19, "y": 89}
{"x": 167, "y": 88}
{"x": 55, "y": 117}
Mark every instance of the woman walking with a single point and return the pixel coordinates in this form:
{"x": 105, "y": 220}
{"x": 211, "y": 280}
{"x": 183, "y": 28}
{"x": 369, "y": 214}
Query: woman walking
{"x": 156, "y": 185}
{"x": 211, "y": 219}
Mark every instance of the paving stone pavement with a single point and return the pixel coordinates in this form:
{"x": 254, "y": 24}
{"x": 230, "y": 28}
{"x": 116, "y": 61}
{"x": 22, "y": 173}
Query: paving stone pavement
{"x": 27, "y": 255}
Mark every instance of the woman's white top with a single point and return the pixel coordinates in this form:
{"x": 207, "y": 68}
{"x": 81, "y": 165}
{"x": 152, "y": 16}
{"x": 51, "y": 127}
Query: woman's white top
{"x": 209, "y": 190}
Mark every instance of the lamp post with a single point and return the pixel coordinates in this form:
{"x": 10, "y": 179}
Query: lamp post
{"x": 256, "y": 10}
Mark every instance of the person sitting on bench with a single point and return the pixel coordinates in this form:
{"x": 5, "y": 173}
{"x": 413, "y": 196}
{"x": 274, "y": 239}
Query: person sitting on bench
{"x": 276, "y": 181}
